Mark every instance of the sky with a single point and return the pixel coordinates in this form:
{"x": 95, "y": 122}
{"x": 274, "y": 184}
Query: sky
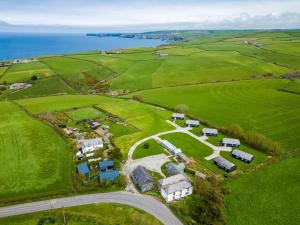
{"x": 149, "y": 15}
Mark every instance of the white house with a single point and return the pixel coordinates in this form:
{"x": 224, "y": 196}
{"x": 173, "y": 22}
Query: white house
{"x": 178, "y": 116}
{"x": 175, "y": 187}
{"x": 89, "y": 145}
{"x": 19, "y": 86}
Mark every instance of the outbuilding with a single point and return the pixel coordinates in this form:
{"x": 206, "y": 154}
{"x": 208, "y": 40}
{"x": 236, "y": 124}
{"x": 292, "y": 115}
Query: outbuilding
{"x": 89, "y": 145}
{"x": 142, "y": 178}
{"x": 224, "y": 164}
{"x": 192, "y": 123}
{"x": 231, "y": 142}
{"x": 178, "y": 116}
{"x": 174, "y": 169}
{"x": 170, "y": 147}
{"x": 107, "y": 171}
{"x": 243, "y": 156}
{"x": 83, "y": 168}
{"x": 209, "y": 132}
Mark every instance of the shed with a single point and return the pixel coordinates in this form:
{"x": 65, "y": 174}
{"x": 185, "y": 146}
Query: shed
{"x": 170, "y": 147}
{"x": 178, "y": 116}
{"x": 224, "y": 164}
{"x": 231, "y": 142}
{"x": 142, "y": 178}
{"x": 244, "y": 156}
{"x": 83, "y": 168}
{"x": 192, "y": 123}
{"x": 209, "y": 132}
{"x": 106, "y": 165}
{"x": 108, "y": 175}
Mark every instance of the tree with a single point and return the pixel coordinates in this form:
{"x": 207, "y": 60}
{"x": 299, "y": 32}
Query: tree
{"x": 181, "y": 108}
{"x": 146, "y": 146}
{"x": 34, "y": 77}
{"x": 138, "y": 98}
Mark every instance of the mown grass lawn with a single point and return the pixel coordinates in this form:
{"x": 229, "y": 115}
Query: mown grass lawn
{"x": 268, "y": 196}
{"x": 154, "y": 149}
{"x": 35, "y": 160}
{"x": 85, "y": 113}
{"x": 108, "y": 214}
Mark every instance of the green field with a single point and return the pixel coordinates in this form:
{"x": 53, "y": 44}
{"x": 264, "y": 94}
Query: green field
{"x": 154, "y": 149}
{"x": 266, "y": 110}
{"x": 293, "y": 86}
{"x": 35, "y": 160}
{"x": 88, "y": 215}
{"x": 268, "y": 196}
{"x": 85, "y": 113}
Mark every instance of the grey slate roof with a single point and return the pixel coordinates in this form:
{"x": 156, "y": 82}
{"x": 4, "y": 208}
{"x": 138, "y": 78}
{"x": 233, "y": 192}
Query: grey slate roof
{"x": 141, "y": 175}
{"x": 225, "y": 163}
{"x": 231, "y": 141}
{"x": 209, "y": 131}
{"x": 174, "y": 183}
{"x": 177, "y": 187}
{"x": 242, "y": 154}
{"x": 178, "y": 115}
{"x": 192, "y": 122}
{"x": 174, "y": 169}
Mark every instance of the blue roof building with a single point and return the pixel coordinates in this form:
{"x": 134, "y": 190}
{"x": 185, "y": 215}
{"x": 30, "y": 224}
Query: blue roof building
{"x": 83, "y": 168}
{"x": 107, "y": 171}
{"x": 106, "y": 165}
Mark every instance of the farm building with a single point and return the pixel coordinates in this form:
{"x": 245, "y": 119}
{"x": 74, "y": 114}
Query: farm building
{"x": 19, "y": 86}
{"x": 94, "y": 124}
{"x": 83, "y": 168}
{"x": 174, "y": 169}
{"x": 91, "y": 144}
{"x": 175, "y": 187}
{"x": 183, "y": 158}
{"x": 161, "y": 54}
{"x": 170, "y": 147}
{"x": 231, "y": 142}
{"x": 192, "y": 123}
{"x": 178, "y": 116}
{"x": 224, "y": 164}
{"x": 244, "y": 156}
{"x": 142, "y": 178}
{"x": 209, "y": 132}
{"x": 107, "y": 171}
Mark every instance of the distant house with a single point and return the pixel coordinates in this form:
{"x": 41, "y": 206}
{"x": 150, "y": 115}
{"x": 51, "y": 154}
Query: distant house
{"x": 161, "y": 54}
{"x": 224, "y": 164}
{"x": 141, "y": 177}
{"x": 231, "y": 142}
{"x": 107, "y": 171}
{"x": 83, "y": 168}
{"x": 192, "y": 123}
{"x": 19, "y": 86}
{"x": 170, "y": 147}
{"x": 174, "y": 169}
{"x": 89, "y": 145}
{"x": 244, "y": 156}
{"x": 209, "y": 132}
{"x": 175, "y": 187}
{"x": 178, "y": 116}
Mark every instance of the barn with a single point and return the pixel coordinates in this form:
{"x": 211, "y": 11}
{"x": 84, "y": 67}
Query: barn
{"x": 141, "y": 177}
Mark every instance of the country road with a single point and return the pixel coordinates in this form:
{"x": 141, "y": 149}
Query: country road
{"x": 144, "y": 202}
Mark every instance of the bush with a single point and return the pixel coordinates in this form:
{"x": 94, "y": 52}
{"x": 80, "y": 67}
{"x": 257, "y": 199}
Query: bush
{"x": 181, "y": 108}
{"x": 34, "y": 77}
{"x": 146, "y": 146}
{"x": 138, "y": 98}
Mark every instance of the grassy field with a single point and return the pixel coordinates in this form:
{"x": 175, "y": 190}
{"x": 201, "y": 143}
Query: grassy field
{"x": 85, "y": 113}
{"x": 268, "y": 196}
{"x": 266, "y": 110}
{"x": 35, "y": 160}
{"x": 293, "y": 86}
{"x": 24, "y": 71}
{"x": 154, "y": 149}
{"x": 99, "y": 214}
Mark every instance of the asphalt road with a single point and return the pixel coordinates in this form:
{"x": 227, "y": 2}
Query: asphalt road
{"x": 144, "y": 202}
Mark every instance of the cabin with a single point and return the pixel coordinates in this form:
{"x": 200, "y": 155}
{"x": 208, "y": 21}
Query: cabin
{"x": 83, "y": 168}
{"x": 107, "y": 171}
{"x": 175, "y": 187}
{"x": 170, "y": 147}
{"x": 142, "y": 178}
{"x": 231, "y": 142}
{"x": 89, "y": 145}
{"x": 174, "y": 169}
{"x": 243, "y": 156}
{"x": 192, "y": 123}
{"x": 209, "y": 132}
{"x": 178, "y": 116}
{"x": 224, "y": 164}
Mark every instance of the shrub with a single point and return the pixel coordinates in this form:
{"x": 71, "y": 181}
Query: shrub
{"x": 181, "y": 108}
{"x": 138, "y": 98}
{"x": 146, "y": 146}
{"x": 34, "y": 77}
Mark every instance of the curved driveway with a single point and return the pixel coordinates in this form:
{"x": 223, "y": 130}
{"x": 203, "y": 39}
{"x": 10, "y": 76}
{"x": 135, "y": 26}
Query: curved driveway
{"x": 144, "y": 202}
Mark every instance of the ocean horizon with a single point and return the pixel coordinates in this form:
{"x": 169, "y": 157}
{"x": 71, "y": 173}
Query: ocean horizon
{"x": 26, "y": 45}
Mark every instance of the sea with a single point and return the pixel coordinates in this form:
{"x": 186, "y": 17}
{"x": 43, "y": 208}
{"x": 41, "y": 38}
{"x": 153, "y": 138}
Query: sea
{"x": 26, "y": 45}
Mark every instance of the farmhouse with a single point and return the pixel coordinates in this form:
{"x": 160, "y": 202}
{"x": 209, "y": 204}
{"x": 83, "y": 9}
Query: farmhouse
{"x": 231, "y": 142}
{"x": 244, "y": 156}
{"x": 141, "y": 177}
{"x": 91, "y": 144}
{"x": 209, "y": 132}
{"x": 107, "y": 171}
{"x": 192, "y": 123}
{"x": 175, "y": 187}
{"x": 83, "y": 168}
{"x": 174, "y": 169}
{"x": 170, "y": 147}
{"x": 19, "y": 86}
{"x": 224, "y": 164}
{"x": 178, "y": 116}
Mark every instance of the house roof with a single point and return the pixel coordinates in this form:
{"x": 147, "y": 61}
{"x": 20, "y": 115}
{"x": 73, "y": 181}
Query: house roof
{"x": 106, "y": 163}
{"x": 83, "y": 168}
{"x": 92, "y": 142}
{"x": 177, "y": 187}
{"x": 172, "y": 180}
{"x": 141, "y": 175}
{"x": 231, "y": 141}
{"x": 192, "y": 122}
{"x": 174, "y": 169}
{"x": 109, "y": 175}
{"x": 209, "y": 131}
{"x": 168, "y": 145}
{"x": 223, "y": 162}
{"x": 178, "y": 115}
{"x": 242, "y": 154}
